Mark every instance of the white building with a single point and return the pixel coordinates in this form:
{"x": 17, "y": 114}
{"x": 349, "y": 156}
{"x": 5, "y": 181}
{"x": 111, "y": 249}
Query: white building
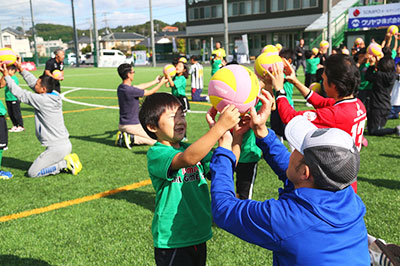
{"x": 45, "y": 48}
{"x": 17, "y": 41}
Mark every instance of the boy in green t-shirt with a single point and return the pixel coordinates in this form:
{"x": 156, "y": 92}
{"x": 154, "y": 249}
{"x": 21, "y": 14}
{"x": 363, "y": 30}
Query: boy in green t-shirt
{"x": 182, "y": 217}
{"x": 365, "y": 88}
{"x": 312, "y": 62}
{"x": 13, "y": 104}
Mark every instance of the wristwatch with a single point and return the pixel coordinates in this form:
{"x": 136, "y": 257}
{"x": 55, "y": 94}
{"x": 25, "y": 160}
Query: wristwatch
{"x": 281, "y": 92}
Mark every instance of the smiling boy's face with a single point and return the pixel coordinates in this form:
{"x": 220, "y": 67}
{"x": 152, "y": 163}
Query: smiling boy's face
{"x": 171, "y": 126}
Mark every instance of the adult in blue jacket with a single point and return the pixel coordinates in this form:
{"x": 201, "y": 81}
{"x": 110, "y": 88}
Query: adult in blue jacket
{"x": 318, "y": 219}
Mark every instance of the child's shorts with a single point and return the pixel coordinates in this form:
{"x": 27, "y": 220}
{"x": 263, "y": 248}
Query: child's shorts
{"x": 3, "y": 132}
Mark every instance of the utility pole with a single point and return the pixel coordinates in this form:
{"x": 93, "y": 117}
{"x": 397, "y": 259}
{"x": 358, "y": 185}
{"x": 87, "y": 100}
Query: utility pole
{"x": 152, "y": 36}
{"x": 75, "y": 34}
{"x": 329, "y": 27}
{"x": 96, "y": 36}
{"x": 226, "y": 37}
{"x": 34, "y": 36}
{"x": 90, "y": 35}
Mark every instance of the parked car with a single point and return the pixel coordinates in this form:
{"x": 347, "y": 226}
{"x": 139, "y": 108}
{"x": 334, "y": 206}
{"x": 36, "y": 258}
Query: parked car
{"x": 71, "y": 59}
{"x": 87, "y": 59}
{"x": 112, "y": 58}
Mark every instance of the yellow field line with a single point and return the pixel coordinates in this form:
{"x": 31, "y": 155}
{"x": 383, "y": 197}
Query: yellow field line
{"x": 91, "y": 97}
{"x": 74, "y": 202}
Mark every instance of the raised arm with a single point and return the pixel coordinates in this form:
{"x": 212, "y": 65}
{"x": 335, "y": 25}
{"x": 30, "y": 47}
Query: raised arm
{"x": 156, "y": 88}
{"x": 147, "y": 85}
{"x": 230, "y": 116}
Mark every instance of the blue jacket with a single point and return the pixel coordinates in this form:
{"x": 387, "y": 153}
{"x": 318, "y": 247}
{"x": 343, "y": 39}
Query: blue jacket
{"x": 304, "y": 226}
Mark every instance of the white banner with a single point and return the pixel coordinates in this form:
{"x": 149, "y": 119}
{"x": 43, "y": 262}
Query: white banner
{"x": 374, "y": 16}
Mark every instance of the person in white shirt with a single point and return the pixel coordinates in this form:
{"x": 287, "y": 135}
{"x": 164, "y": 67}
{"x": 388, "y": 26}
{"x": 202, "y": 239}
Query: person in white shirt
{"x": 196, "y": 73}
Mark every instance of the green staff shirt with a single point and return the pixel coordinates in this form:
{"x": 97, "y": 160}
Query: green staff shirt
{"x": 312, "y": 65}
{"x": 364, "y": 85}
{"x": 179, "y": 87}
{"x": 182, "y": 215}
{"x": 9, "y": 96}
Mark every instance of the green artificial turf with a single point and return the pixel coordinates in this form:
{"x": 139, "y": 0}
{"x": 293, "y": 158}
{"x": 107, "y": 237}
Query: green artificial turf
{"x": 116, "y": 230}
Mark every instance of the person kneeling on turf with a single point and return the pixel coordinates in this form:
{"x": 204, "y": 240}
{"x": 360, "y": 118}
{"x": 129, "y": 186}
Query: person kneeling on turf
{"x": 49, "y": 121}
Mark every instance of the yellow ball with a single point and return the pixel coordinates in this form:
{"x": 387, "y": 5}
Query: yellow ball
{"x": 234, "y": 84}
{"x": 315, "y": 51}
{"x": 324, "y": 44}
{"x": 315, "y": 87}
{"x": 170, "y": 70}
{"x": 57, "y": 73}
{"x": 278, "y": 46}
{"x": 265, "y": 62}
{"x": 375, "y": 50}
{"x": 183, "y": 60}
{"x": 270, "y": 49}
{"x": 8, "y": 56}
{"x": 358, "y": 41}
{"x": 393, "y": 29}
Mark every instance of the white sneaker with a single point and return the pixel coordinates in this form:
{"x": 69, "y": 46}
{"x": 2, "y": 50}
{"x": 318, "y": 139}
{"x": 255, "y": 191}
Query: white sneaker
{"x": 13, "y": 129}
{"x": 19, "y": 129}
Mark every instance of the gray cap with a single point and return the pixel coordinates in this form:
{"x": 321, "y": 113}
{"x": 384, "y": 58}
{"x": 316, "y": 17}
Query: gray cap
{"x": 330, "y": 153}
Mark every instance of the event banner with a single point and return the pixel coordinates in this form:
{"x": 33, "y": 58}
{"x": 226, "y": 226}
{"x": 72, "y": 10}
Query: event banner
{"x": 374, "y": 16}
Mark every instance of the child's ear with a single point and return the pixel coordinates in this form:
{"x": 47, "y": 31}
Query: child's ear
{"x": 43, "y": 90}
{"x": 152, "y": 128}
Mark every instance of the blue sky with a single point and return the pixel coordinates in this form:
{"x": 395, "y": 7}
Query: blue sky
{"x": 116, "y": 12}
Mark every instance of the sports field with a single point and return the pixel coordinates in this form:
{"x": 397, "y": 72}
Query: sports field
{"x": 103, "y": 215}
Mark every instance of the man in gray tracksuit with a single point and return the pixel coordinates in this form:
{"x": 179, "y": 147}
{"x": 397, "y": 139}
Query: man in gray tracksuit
{"x": 49, "y": 121}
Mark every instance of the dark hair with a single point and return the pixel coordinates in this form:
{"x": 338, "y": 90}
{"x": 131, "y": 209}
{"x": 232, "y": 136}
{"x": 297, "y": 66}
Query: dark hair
{"x": 185, "y": 73}
{"x": 153, "y": 107}
{"x": 387, "y": 51}
{"x": 308, "y": 54}
{"x": 123, "y": 70}
{"x": 194, "y": 58}
{"x": 47, "y": 82}
{"x": 12, "y": 67}
{"x": 337, "y": 50}
{"x": 386, "y": 64}
{"x": 341, "y": 70}
{"x": 220, "y": 43}
{"x": 287, "y": 54}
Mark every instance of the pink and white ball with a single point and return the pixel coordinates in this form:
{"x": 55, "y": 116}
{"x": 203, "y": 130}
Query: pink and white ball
{"x": 265, "y": 62}
{"x": 234, "y": 84}
{"x": 8, "y": 56}
{"x": 169, "y": 70}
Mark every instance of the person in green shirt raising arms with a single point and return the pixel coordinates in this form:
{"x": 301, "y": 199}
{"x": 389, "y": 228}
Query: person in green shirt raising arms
{"x": 178, "y": 84}
{"x": 182, "y": 216}
{"x": 13, "y": 104}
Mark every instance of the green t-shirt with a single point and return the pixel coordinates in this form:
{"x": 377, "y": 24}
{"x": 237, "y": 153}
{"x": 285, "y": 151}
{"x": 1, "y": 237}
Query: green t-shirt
{"x": 215, "y": 66}
{"x": 9, "y": 96}
{"x": 364, "y": 85}
{"x": 182, "y": 215}
{"x": 249, "y": 151}
{"x": 312, "y": 65}
{"x": 179, "y": 90}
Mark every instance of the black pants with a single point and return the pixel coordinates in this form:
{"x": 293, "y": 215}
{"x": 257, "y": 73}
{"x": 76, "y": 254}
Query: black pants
{"x": 14, "y": 111}
{"x": 3, "y": 132}
{"x": 185, "y": 103}
{"x": 186, "y": 256}
{"x": 310, "y": 78}
{"x": 376, "y": 119}
{"x": 364, "y": 96}
{"x": 245, "y": 176}
{"x": 301, "y": 62}
{"x": 276, "y": 123}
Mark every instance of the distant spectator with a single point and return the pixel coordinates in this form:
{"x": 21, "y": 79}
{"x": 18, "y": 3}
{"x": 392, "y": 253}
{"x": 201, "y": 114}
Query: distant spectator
{"x": 56, "y": 63}
{"x": 301, "y": 56}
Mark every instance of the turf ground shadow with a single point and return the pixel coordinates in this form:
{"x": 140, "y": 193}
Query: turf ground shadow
{"x": 142, "y": 198}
